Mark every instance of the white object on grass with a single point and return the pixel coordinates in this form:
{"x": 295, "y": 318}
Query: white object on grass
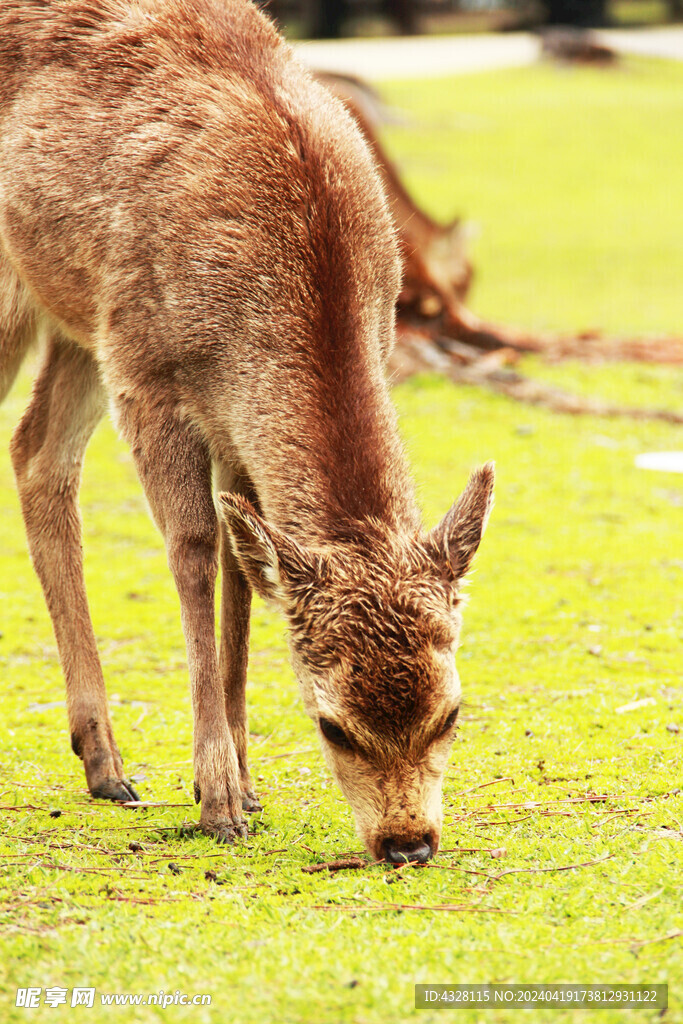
{"x": 666, "y": 462}
{"x": 635, "y": 704}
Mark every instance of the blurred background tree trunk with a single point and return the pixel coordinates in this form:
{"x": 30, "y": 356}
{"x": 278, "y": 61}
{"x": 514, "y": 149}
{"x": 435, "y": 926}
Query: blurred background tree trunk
{"x": 327, "y": 18}
{"x": 585, "y": 13}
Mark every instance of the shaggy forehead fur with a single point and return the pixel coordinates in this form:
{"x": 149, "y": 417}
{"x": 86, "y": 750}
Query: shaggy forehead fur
{"x": 370, "y": 630}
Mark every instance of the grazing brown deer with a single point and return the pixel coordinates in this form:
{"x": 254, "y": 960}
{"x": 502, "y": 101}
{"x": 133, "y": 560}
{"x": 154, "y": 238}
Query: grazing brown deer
{"x": 197, "y": 229}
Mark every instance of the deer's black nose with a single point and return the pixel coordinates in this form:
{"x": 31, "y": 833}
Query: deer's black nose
{"x": 398, "y": 852}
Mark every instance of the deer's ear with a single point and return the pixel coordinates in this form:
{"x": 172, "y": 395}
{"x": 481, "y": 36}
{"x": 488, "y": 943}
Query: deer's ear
{"x": 273, "y": 563}
{"x": 455, "y": 540}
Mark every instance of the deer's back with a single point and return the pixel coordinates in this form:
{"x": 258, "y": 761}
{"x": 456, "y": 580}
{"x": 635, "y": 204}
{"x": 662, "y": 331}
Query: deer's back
{"x": 169, "y": 163}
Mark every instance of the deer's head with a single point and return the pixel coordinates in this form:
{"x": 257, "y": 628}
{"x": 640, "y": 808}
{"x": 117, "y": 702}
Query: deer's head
{"x": 374, "y": 627}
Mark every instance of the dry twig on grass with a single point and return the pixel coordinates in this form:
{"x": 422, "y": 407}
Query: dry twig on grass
{"x": 449, "y": 907}
{"x": 352, "y": 863}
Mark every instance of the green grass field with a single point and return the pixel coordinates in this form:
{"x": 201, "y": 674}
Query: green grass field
{"x": 567, "y": 757}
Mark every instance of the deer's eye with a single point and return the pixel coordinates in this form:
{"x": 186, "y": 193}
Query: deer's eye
{"x": 450, "y": 721}
{"x": 334, "y": 734}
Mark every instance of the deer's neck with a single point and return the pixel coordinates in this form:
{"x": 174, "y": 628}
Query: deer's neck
{"x": 325, "y": 454}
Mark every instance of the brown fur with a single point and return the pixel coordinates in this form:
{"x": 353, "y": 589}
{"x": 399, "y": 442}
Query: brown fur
{"x": 436, "y": 271}
{"x": 196, "y": 228}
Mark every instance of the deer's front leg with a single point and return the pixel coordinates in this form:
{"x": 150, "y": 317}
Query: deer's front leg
{"x": 175, "y": 469}
{"x": 193, "y": 562}
{"x": 235, "y": 616}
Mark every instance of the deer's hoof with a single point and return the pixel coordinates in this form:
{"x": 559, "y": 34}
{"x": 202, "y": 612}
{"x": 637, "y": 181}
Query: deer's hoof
{"x": 250, "y": 802}
{"x": 226, "y": 831}
{"x": 119, "y": 790}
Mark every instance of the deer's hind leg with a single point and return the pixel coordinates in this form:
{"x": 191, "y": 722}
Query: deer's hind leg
{"x": 47, "y": 452}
